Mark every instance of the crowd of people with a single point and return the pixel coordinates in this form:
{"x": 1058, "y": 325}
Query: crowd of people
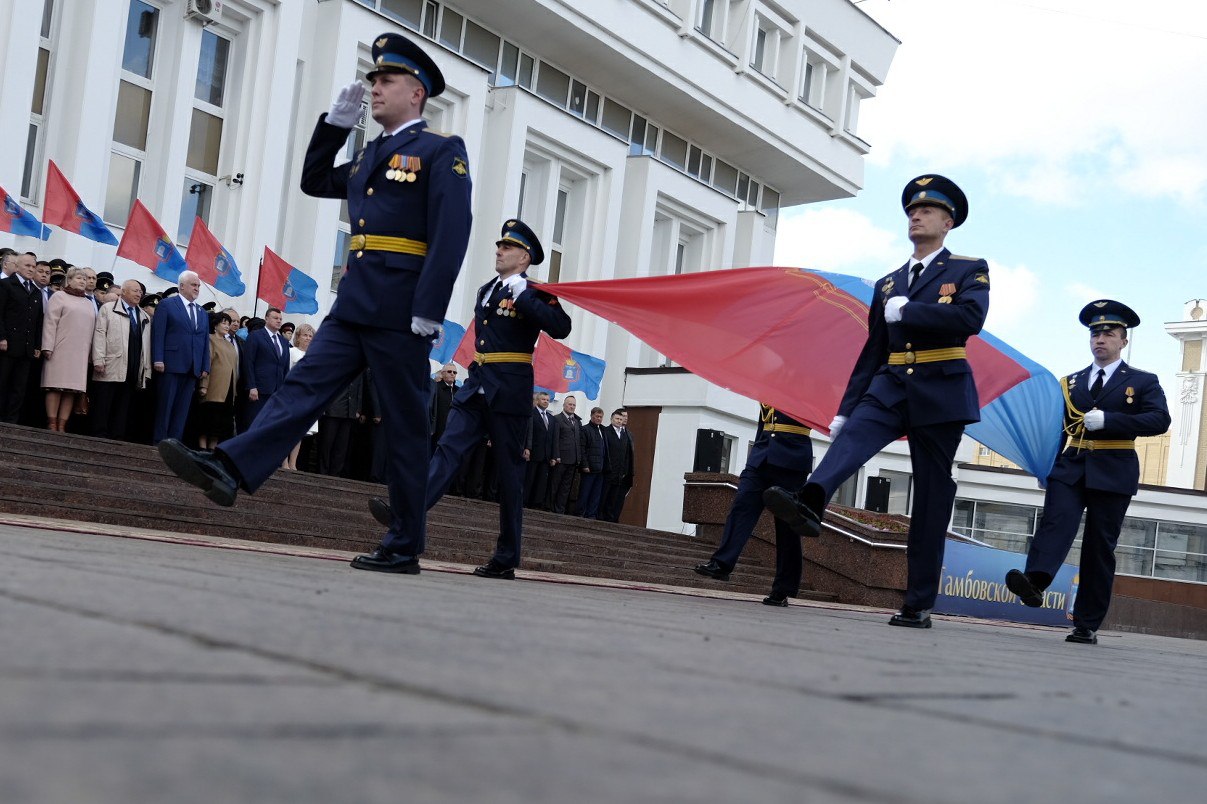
{"x": 82, "y": 353}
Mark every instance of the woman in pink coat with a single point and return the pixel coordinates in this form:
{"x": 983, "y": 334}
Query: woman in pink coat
{"x": 66, "y": 347}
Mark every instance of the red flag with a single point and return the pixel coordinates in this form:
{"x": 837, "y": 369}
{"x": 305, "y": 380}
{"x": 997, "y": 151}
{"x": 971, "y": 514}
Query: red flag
{"x": 548, "y": 363}
{"x": 146, "y": 243}
{"x": 274, "y": 273}
{"x": 465, "y": 350}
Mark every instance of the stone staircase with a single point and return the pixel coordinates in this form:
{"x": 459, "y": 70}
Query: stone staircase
{"x": 87, "y": 479}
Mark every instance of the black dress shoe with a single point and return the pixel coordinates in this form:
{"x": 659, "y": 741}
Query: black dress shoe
{"x": 713, "y": 570}
{"x": 380, "y": 509}
{"x": 773, "y": 600}
{"x": 1018, "y": 583}
{"x": 788, "y": 508}
{"x": 493, "y": 569}
{"x": 1082, "y": 635}
{"x": 911, "y": 618}
{"x": 202, "y": 468}
{"x": 382, "y": 560}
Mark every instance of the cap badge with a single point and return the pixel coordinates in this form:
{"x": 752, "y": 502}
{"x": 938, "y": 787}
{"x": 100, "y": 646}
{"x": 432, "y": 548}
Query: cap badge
{"x": 924, "y": 182}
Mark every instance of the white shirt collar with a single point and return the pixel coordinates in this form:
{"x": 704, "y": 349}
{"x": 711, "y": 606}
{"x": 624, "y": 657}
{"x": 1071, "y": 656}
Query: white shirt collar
{"x": 404, "y": 125}
{"x": 926, "y": 261}
{"x": 1110, "y": 371}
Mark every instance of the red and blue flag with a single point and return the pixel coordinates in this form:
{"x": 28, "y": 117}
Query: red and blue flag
{"x": 18, "y": 220}
{"x": 789, "y": 337}
{"x": 64, "y": 209}
{"x": 213, "y": 264}
{"x": 146, "y": 243}
{"x": 285, "y": 287}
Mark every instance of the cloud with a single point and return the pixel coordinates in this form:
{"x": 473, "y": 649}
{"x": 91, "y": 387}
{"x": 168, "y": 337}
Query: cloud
{"x": 840, "y": 240}
{"x": 1012, "y": 300}
{"x": 1083, "y": 294}
{"x": 1050, "y": 88}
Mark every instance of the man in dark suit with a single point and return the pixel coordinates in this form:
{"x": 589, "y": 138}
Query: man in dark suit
{"x": 20, "y": 335}
{"x": 266, "y": 362}
{"x": 911, "y": 379}
{"x": 618, "y": 468}
{"x": 180, "y": 355}
{"x": 1107, "y": 406}
{"x": 781, "y": 455}
{"x": 442, "y": 399}
{"x": 593, "y": 449}
{"x": 538, "y": 452}
{"x": 566, "y": 454}
{"x": 509, "y": 316}
{"x": 408, "y": 196}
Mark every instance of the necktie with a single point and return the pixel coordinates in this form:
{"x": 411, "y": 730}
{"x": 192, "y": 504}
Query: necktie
{"x": 193, "y": 314}
{"x": 914, "y": 273}
{"x": 133, "y": 320}
{"x": 545, "y": 419}
{"x": 276, "y": 342}
{"x": 490, "y": 297}
{"x": 1096, "y": 388}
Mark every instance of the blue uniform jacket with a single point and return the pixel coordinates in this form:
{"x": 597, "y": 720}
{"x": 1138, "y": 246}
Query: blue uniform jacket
{"x": 947, "y": 307}
{"x": 1134, "y": 404}
{"x": 508, "y": 386}
{"x": 382, "y": 288}
{"x": 175, "y": 342}
{"x": 265, "y": 369}
{"x": 786, "y": 450}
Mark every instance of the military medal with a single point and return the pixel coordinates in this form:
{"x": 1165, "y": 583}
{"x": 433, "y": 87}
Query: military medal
{"x": 395, "y": 162}
{"x": 413, "y": 166}
{"x": 1131, "y": 392}
{"x": 946, "y": 292}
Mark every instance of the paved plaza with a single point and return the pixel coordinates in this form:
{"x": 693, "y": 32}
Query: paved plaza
{"x": 139, "y": 667}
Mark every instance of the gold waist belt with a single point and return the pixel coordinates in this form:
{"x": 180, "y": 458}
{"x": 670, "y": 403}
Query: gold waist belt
{"x": 926, "y": 356}
{"x": 398, "y": 245}
{"x": 1121, "y": 443}
{"x": 786, "y": 428}
{"x": 502, "y": 357}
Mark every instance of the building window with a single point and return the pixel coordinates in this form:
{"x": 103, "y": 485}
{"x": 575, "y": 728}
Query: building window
{"x": 552, "y": 84}
{"x": 557, "y": 243}
{"x": 408, "y": 12}
{"x": 202, "y": 159}
{"x": 765, "y": 54}
{"x": 37, "y": 112}
{"x": 481, "y": 45}
{"x": 132, "y": 120}
{"x": 451, "y": 24}
{"x": 900, "y": 485}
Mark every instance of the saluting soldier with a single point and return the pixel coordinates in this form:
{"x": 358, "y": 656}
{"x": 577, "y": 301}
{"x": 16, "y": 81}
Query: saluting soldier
{"x": 782, "y": 455}
{"x": 408, "y": 196}
{"x": 1107, "y": 406}
{"x": 510, "y": 313}
{"x": 911, "y": 379}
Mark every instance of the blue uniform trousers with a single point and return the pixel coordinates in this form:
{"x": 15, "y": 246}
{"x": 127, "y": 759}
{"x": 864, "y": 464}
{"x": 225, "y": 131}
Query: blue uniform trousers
{"x": 1104, "y": 512}
{"x": 468, "y": 422}
{"x": 339, "y": 353}
{"x": 590, "y": 494}
{"x": 870, "y": 428}
{"x": 744, "y": 515}
{"x": 175, "y": 396}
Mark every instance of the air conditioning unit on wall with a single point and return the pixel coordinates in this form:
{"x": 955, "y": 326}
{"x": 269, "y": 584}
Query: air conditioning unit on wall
{"x": 206, "y": 12}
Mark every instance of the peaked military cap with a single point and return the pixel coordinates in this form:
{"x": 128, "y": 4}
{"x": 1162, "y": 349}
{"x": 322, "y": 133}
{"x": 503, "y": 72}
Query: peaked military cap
{"x": 104, "y": 283}
{"x": 394, "y": 53}
{"x": 58, "y": 277}
{"x": 1108, "y": 314}
{"x": 936, "y": 191}
{"x": 209, "y": 306}
{"x": 150, "y": 300}
{"x": 169, "y": 292}
{"x": 517, "y": 233}
{"x": 105, "y": 275}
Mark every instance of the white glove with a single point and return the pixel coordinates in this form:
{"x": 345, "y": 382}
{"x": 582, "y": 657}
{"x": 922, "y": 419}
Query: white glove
{"x": 836, "y": 425}
{"x": 345, "y": 111}
{"x": 424, "y": 327}
{"x": 516, "y": 284}
{"x": 892, "y": 309}
{"x": 1095, "y": 420}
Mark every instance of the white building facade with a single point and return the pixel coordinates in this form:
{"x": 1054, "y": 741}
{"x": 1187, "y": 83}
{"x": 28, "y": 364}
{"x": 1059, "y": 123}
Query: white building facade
{"x": 636, "y": 137}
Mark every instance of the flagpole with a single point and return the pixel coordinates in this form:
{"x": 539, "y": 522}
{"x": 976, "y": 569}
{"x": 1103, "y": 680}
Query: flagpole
{"x": 255, "y": 299}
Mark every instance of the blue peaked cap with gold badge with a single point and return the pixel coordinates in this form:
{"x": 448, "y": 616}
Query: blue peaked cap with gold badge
{"x": 1108, "y": 314}
{"x": 936, "y": 191}
{"x": 517, "y": 233}
{"x": 394, "y": 53}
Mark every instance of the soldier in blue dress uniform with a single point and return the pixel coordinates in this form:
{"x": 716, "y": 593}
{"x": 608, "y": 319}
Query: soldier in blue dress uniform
{"x": 1107, "y": 406}
{"x": 408, "y": 196}
{"x": 911, "y": 379}
{"x": 496, "y": 400}
{"x": 782, "y": 455}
